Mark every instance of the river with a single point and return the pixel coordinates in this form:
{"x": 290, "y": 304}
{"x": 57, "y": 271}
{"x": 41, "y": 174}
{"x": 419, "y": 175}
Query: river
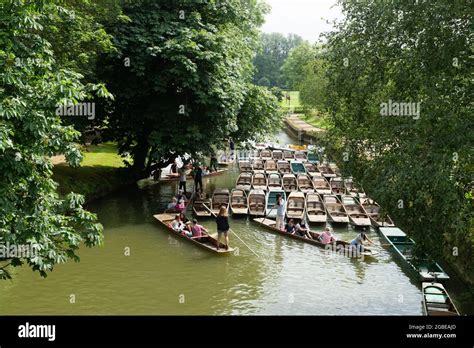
{"x": 164, "y": 275}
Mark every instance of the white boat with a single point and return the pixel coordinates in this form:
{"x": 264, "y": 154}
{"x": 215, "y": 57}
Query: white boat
{"x": 274, "y": 182}
{"x": 271, "y": 201}
{"x": 305, "y": 184}
{"x": 337, "y": 186}
{"x": 373, "y": 211}
{"x": 259, "y": 182}
{"x": 301, "y": 156}
{"x": 277, "y": 155}
{"x": 283, "y": 167}
{"x": 258, "y": 166}
{"x": 326, "y": 170}
{"x": 335, "y": 209}
{"x": 265, "y": 155}
{"x": 288, "y": 154}
{"x": 256, "y": 203}
{"x": 356, "y": 213}
{"x": 289, "y": 183}
{"x": 311, "y": 169}
{"x": 245, "y": 166}
{"x": 244, "y": 181}
{"x": 321, "y": 185}
{"x": 315, "y": 209}
{"x": 295, "y": 206}
{"x": 271, "y": 167}
{"x": 238, "y": 202}
{"x": 220, "y": 198}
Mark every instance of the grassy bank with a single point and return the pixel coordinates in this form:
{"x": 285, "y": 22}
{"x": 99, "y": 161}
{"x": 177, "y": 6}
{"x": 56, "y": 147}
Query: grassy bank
{"x": 98, "y": 175}
{"x": 316, "y": 119}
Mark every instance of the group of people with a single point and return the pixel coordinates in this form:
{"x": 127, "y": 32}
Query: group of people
{"x": 188, "y": 228}
{"x": 178, "y": 203}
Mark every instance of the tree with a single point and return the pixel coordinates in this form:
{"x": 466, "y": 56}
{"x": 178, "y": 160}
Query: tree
{"x": 32, "y": 215}
{"x": 274, "y": 50}
{"x": 417, "y": 161}
{"x": 293, "y": 68}
{"x": 181, "y": 77}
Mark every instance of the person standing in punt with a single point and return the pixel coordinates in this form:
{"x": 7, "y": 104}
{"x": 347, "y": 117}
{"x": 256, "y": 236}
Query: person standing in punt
{"x": 213, "y": 164}
{"x": 182, "y": 178}
{"x": 358, "y": 242}
{"x": 222, "y": 221}
{"x": 198, "y": 178}
{"x": 281, "y": 211}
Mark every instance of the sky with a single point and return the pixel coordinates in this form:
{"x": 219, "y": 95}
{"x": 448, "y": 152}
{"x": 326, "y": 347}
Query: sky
{"x": 306, "y": 18}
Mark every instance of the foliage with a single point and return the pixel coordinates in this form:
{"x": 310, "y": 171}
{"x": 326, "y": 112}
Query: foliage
{"x": 33, "y": 85}
{"x": 419, "y": 169}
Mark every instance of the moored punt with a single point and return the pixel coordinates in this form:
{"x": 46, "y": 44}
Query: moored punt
{"x": 326, "y": 171}
{"x": 220, "y": 198}
{"x": 238, "y": 202}
{"x": 335, "y": 209}
{"x": 270, "y": 202}
{"x": 271, "y": 167}
{"x": 289, "y": 183}
{"x": 403, "y": 245}
{"x": 301, "y": 156}
{"x": 283, "y": 167}
{"x": 244, "y": 181}
{"x": 373, "y": 211}
{"x": 257, "y": 166}
{"x": 352, "y": 189}
{"x": 256, "y": 203}
{"x": 305, "y": 184}
{"x": 207, "y": 241}
{"x": 313, "y": 157}
{"x": 259, "y": 182}
{"x": 245, "y": 166}
{"x": 277, "y": 155}
{"x": 175, "y": 177}
{"x": 311, "y": 169}
{"x": 337, "y": 186}
{"x": 335, "y": 168}
{"x": 274, "y": 182}
{"x": 315, "y": 209}
{"x": 295, "y": 206}
{"x": 321, "y": 185}
{"x": 288, "y": 154}
{"x": 199, "y": 206}
{"x": 340, "y": 247}
{"x": 356, "y": 213}
{"x": 265, "y": 155}
{"x": 436, "y": 301}
{"x": 297, "y": 167}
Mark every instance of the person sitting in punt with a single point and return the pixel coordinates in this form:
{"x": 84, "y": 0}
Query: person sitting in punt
{"x": 290, "y": 227}
{"x": 197, "y": 230}
{"x": 172, "y": 205}
{"x": 358, "y": 242}
{"x": 185, "y": 221}
{"x": 205, "y": 171}
{"x": 327, "y": 237}
{"x": 177, "y": 225}
{"x": 302, "y": 230}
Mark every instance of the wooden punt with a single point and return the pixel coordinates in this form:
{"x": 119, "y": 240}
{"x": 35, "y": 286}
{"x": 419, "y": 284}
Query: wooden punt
{"x": 315, "y": 209}
{"x": 311, "y": 169}
{"x": 283, "y": 167}
{"x": 258, "y": 166}
{"x": 373, "y": 211}
{"x": 436, "y": 301}
{"x": 337, "y": 186}
{"x": 326, "y": 171}
{"x": 245, "y": 166}
{"x": 175, "y": 177}
{"x": 277, "y": 155}
{"x": 256, "y": 203}
{"x": 289, "y": 183}
{"x": 207, "y": 242}
{"x": 357, "y": 216}
{"x": 295, "y": 206}
{"x": 259, "y": 182}
{"x": 198, "y": 206}
{"x": 270, "y": 201}
{"x": 353, "y": 189}
{"x": 335, "y": 209}
{"x": 305, "y": 184}
{"x": 288, "y": 154}
{"x": 321, "y": 185}
{"x": 271, "y": 167}
{"x": 403, "y": 245}
{"x": 220, "y": 198}
{"x": 337, "y": 246}
{"x": 238, "y": 202}
{"x": 313, "y": 157}
{"x": 265, "y": 154}
{"x": 274, "y": 182}
{"x": 297, "y": 167}
{"x": 301, "y": 156}
{"x": 244, "y": 181}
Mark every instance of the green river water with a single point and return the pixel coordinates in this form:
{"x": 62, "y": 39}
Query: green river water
{"x": 165, "y": 275}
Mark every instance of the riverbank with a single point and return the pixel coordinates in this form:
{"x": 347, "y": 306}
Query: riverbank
{"x": 302, "y": 130}
{"x": 102, "y": 171}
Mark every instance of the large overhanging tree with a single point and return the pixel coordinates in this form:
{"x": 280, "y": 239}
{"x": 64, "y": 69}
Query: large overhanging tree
{"x": 418, "y": 168}
{"x": 32, "y": 86}
{"x": 182, "y": 76}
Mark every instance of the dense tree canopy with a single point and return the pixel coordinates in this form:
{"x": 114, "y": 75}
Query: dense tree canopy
{"x": 416, "y": 161}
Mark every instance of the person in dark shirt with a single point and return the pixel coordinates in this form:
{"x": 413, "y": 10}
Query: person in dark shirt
{"x": 290, "y": 226}
{"x": 222, "y": 221}
{"x": 198, "y": 178}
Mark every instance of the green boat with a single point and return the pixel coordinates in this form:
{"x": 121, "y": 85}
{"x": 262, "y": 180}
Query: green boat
{"x": 428, "y": 270}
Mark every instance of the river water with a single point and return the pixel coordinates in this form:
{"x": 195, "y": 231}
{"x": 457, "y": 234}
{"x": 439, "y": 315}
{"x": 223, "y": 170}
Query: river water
{"x": 165, "y": 275}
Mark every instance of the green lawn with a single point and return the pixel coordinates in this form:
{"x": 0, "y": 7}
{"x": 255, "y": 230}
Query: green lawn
{"x": 316, "y": 119}
{"x": 97, "y": 175}
{"x": 294, "y": 100}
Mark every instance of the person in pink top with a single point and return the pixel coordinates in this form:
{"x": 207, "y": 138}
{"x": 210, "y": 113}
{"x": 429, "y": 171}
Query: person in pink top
{"x": 197, "y": 230}
{"x": 327, "y": 237}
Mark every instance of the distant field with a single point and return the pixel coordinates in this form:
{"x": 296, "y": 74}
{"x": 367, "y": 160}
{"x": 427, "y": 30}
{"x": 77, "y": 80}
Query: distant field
{"x": 293, "y": 102}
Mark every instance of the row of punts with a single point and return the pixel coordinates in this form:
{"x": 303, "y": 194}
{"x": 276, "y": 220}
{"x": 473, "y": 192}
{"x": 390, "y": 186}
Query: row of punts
{"x": 283, "y": 154}
{"x": 283, "y": 167}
